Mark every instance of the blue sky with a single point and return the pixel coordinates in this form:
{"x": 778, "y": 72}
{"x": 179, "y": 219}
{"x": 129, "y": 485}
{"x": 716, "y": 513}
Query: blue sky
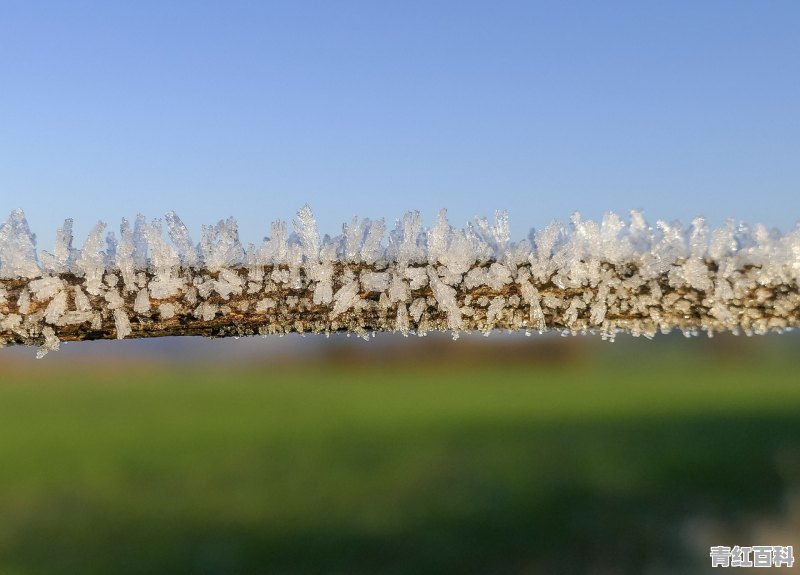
{"x": 253, "y": 108}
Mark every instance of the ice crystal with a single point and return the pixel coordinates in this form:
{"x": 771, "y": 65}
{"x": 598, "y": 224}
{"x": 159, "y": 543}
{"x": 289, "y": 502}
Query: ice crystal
{"x": 220, "y": 246}
{"x": 180, "y": 236}
{"x": 91, "y": 261}
{"x": 306, "y": 228}
{"x": 605, "y": 276}
{"x": 17, "y": 248}
{"x": 63, "y": 254}
{"x": 345, "y": 298}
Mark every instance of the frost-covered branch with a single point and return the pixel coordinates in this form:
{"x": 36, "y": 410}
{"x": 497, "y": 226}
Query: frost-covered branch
{"x": 601, "y": 277}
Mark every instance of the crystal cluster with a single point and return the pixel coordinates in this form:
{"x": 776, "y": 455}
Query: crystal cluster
{"x": 601, "y": 277}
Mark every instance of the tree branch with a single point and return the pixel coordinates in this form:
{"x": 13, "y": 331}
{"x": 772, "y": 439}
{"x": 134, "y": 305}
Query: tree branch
{"x": 388, "y": 297}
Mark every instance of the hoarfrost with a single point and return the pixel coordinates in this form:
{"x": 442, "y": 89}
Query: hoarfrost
{"x": 265, "y": 304}
{"x": 63, "y": 255}
{"x": 56, "y": 308}
{"x": 122, "y": 324}
{"x": 274, "y": 250}
{"x": 163, "y": 257}
{"x": 114, "y": 300}
{"x": 125, "y": 256}
{"x": 91, "y": 261}
{"x": 142, "y": 303}
{"x": 375, "y": 281}
{"x": 75, "y": 317}
{"x": 404, "y": 240}
{"x": 495, "y": 310}
{"x": 139, "y": 242}
{"x": 353, "y": 236}
{"x": 399, "y": 290}
{"x": 446, "y": 297}
{"x": 179, "y": 234}
{"x": 601, "y": 276}
{"x": 17, "y": 248}
{"x": 345, "y": 298}
{"x": 306, "y": 228}
{"x": 220, "y": 245}
{"x": 402, "y": 324}
{"x": 51, "y": 343}
{"x": 166, "y": 310}
{"x": 372, "y": 250}
{"x": 45, "y": 288}
{"x": 11, "y": 322}
{"x": 228, "y": 283}
{"x": 418, "y": 278}
{"x": 82, "y": 302}
{"x": 418, "y": 307}
{"x": 24, "y": 301}
{"x": 206, "y": 311}
{"x": 166, "y": 285}
{"x": 496, "y": 236}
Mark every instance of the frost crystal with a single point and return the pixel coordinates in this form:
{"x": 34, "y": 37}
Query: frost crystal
{"x": 91, "y": 261}
{"x": 372, "y": 251}
{"x": 220, "y": 245}
{"x": 124, "y": 258}
{"x": 605, "y": 277}
{"x": 446, "y": 297}
{"x": 56, "y": 308}
{"x": 51, "y": 342}
{"x": 166, "y": 310}
{"x": 345, "y": 298}
{"x": 182, "y": 240}
{"x": 122, "y": 324}
{"x": 141, "y": 304}
{"x": 63, "y": 255}
{"x": 375, "y": 281}
{"x": 17, "y": 248}
{"x": 45, "y": 288}
{"x": 306, "y": 227}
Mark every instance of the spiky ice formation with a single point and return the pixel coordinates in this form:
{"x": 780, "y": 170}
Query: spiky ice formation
{"x": 601, "y": 277}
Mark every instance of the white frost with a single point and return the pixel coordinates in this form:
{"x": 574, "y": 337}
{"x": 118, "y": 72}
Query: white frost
{"x": 583, "y": 276}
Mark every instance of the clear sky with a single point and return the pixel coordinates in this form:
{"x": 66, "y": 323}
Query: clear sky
{"x": 253, "y": 108}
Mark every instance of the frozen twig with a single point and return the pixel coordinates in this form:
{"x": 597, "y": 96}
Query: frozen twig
{"x": 595, "y": 277}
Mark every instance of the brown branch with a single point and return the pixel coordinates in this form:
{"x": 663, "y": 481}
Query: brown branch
{"x": 265, "y": 305}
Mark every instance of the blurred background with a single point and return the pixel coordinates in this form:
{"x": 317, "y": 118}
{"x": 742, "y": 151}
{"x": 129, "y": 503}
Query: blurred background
{"x": 503, "y": 455}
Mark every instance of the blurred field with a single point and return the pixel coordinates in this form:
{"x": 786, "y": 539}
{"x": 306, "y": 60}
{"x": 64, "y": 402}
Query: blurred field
{"x": 561, "y": 456}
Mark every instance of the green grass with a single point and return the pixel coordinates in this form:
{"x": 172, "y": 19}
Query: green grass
{"x": 431, "y": 469}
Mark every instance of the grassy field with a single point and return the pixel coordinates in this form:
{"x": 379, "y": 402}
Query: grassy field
{"x": 617, "y": 463}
